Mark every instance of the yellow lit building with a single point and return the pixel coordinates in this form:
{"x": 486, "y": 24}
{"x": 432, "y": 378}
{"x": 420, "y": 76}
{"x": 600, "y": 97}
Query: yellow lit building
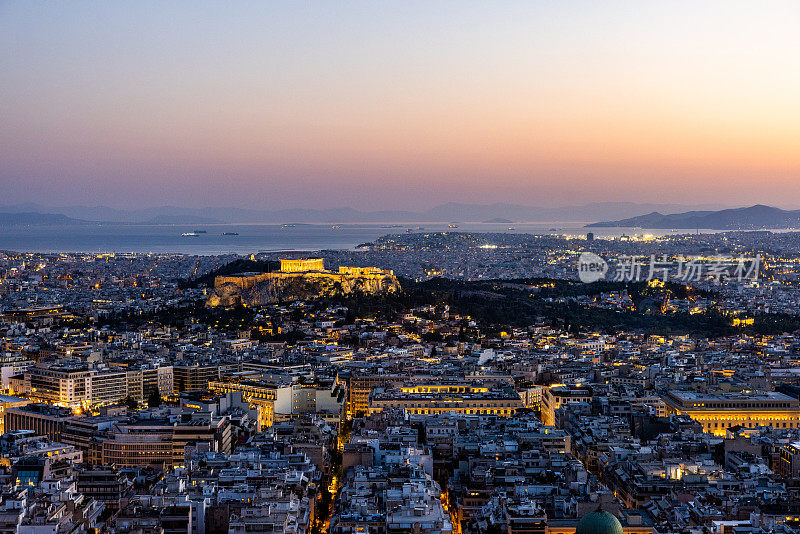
{"x": 463, "y": 398}
{"x": 788, "y": 465}
{"x": 360, "y": 386}
{"x": 7, "y": 402}
{"x": 256, "y": 392}
{"x": 532, "y": 397}
{"x": 301, "y": 266}
{"x": 557, "y": 395}
{"x": 719, "y": 411}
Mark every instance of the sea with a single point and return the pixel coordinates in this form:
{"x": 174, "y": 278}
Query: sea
{"x": 245, "y": 239}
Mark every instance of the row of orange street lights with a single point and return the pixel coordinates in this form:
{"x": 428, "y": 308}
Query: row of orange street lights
{"x": 453, "y": 518}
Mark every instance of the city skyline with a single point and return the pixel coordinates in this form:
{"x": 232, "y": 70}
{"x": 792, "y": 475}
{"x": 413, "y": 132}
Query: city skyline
{"x": 370, "y": 267}
{"x": 366, "y": 105}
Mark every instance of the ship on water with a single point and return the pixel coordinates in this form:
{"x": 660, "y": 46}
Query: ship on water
{"x": 230, "y": 233}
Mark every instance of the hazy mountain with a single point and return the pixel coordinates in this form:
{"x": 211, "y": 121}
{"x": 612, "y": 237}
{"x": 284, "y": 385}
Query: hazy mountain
{"x": 106, "y": 214}
{"x": 35, "y": 219}
{"x": 450, "y": 212}
{"x": 756, "y": 217}
{"x": 600, "y": 210}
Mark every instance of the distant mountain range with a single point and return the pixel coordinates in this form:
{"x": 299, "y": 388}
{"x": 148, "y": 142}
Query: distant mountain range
{"x": 758, "y": 217}
{"x": 32, "y": 218}
{"x": 450, "y": 212}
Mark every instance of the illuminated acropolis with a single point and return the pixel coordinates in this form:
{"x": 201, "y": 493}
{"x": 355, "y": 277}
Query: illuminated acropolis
{"x": 299, "y": 278}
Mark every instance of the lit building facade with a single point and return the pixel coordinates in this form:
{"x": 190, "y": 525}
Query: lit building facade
{"x": 556, "y": 396}
{"x": 460, "y": 398}
{"x": 7, "y": 402}
{"x": 68, "y": 385}
{"x": 788, "y": 465}
{"x": 301, "y": 266}
{"x": 161, "y": 442}
{"x": 77, "y": 386}
{"x": 44, "y": 419}
{"x": 718, "y": 412}
{"x": 195, "y": 377}
{"x": 256, "y": 392}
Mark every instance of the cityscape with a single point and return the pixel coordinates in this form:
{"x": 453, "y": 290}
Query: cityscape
{"x": 384, "y": 268}
{"x": 473, "y": 388}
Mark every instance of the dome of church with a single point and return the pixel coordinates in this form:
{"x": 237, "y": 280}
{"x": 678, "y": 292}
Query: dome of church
{"x": 599, "y": 522}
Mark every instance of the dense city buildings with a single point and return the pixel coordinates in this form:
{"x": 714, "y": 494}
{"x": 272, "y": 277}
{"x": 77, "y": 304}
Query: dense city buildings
{"x": 525, "y": 403}
{"x": 434, "y": 268}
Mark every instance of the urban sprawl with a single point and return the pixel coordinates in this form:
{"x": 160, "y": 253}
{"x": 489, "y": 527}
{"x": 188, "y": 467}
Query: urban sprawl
{"x": 424, "y": 383}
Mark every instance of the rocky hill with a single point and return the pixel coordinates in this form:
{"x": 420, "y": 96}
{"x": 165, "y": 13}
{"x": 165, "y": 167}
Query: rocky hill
{"x": 257, "y": 289}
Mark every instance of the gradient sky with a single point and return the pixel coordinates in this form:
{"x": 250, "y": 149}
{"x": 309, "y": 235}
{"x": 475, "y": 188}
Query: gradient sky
{"x": 399, "y": 104}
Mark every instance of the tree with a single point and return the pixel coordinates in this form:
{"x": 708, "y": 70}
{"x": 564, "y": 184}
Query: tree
{"x": 154, "y": 399}
{"x": 131, "y": 403}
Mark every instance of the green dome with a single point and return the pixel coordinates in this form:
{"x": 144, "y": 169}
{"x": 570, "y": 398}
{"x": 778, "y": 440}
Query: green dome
{"x": 599, "y": 522}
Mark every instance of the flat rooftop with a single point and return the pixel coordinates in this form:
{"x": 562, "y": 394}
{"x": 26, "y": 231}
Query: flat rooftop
{"x": 695, "y": 396}
{"x": 9, "y": 398}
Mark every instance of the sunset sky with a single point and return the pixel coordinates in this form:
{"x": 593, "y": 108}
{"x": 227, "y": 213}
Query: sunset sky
{"x": 399, "y": 104}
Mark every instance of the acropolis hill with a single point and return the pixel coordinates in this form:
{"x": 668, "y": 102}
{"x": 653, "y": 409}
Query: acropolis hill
{"x": 299, "y": 279}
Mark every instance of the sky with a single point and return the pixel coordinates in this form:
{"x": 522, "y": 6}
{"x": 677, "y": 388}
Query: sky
{"x": 399, "y": 105}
